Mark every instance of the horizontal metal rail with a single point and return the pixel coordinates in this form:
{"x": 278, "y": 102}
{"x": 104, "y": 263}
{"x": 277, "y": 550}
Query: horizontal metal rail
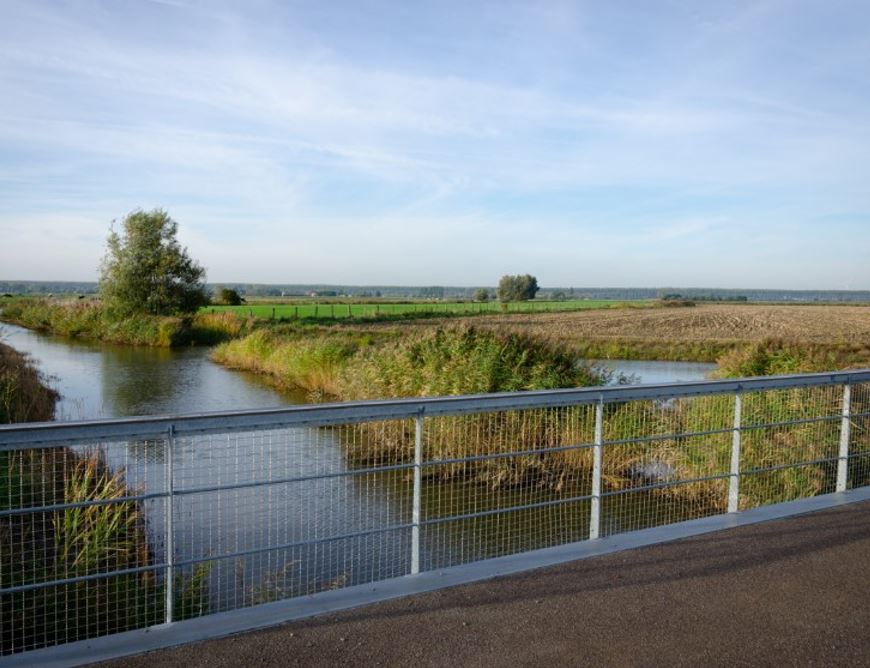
{"x": 294, "y": 544}
{"x": 80, "y": 578}
{"x": 26, "y": 510}
{"x": 46, "y": 434}
{"x": 289, "y": 480}
{"x": 789, "y": 465}
{"x": 506, "y": 510}
{"x": 666, "y": 483}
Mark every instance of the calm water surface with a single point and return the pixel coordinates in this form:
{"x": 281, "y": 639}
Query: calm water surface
{"x": 103, "y": 380}
{"x": 644, "y": 371}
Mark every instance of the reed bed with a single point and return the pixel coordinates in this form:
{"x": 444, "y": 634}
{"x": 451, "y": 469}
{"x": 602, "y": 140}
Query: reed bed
{"x": 87, "y": 319}
{"x": 650, "y": 446}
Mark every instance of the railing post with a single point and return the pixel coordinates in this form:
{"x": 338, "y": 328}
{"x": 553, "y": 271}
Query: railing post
{"x": 418, "y": 484}
{"x": 170, "y": 538}
{"x": 595, "y": 515}
{"x": 734, "y": 481}
{"x": 845, "y": 433}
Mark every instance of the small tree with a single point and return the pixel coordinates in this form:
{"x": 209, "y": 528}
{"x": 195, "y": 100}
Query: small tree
{"x": 146, "y": 270}
{"x": 230, "y": 297}
{"x": 481, "y": 295}
{"x": 517, "y": 288}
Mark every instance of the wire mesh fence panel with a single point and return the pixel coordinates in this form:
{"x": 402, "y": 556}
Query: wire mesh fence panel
{"x": 664, "y": 461}
{"x": 790, "y": 444}
{"x": 858, "y": 466}
{"x": 504, "y": 482}
{"x": 85, "y": 563}
{"x": 266, "y": 515}
{"x": 634, "y": 509}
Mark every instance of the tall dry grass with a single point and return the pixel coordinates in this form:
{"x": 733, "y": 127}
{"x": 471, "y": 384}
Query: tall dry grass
{"x": 87, "y": 319}
{"x": 24, "y": 396}
{"x": 463, "y": 360}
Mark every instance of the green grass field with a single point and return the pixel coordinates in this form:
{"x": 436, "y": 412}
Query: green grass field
{"x": 338, "y": 310}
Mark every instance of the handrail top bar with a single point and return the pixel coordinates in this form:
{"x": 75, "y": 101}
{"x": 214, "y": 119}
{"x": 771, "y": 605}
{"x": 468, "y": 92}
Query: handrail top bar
{"x": 361, "y": 411}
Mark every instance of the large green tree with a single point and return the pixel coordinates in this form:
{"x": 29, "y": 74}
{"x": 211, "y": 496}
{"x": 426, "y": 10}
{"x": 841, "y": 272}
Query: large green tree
{"x": 517, "y": 288}
{"x": 146, "y": 270}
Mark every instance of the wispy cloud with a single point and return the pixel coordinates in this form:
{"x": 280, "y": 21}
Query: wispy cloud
{"x": 317, "y": 123}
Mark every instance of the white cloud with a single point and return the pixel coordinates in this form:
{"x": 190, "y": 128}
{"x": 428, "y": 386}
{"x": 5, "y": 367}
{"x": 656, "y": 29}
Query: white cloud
{"x": 240, "y": 123}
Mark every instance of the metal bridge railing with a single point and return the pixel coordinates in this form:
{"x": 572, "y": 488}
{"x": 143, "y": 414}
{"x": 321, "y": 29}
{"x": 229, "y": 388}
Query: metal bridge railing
{"x": 113, "y": 525}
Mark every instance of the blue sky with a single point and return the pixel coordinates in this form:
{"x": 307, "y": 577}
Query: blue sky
{"x": 589, "y": 143}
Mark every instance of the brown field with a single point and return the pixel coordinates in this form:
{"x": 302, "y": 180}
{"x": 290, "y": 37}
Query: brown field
{"x": 724, "y": 323}
{"x": 703, "y": 332}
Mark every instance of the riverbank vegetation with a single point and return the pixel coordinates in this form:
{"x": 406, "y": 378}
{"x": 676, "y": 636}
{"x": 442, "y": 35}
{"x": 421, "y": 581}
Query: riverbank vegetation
{"x": 74, "y": 542}
{"x": 24, "y": 396}
{"x": 773, "y": 357}
{"x": 384, "y": 362}
{"x": 348, "y": 365}
{"x": 87, "y": 319}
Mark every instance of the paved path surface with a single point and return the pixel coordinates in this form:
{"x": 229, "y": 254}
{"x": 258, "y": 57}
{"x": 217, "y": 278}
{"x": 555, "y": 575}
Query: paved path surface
{"x": 781, "y": 593}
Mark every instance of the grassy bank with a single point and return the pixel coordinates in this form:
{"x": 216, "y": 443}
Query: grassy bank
{"x": 350, "y": 365}
{"x": 779, "y": 356}
{"x": 735, "y": 358}
{"x": 75, "y": 542}
{"x": 86, "y": 319}
{"x": 432, "y": 362}
{"x": 24, "y": 397}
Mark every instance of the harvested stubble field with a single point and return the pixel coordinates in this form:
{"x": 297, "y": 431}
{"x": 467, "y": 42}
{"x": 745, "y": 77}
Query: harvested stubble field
{"x": 702, "y": 332}
{"x": 716, "y": 322}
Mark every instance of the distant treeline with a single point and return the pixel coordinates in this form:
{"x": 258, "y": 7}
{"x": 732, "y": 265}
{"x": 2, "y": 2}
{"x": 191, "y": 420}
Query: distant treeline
{"x": 467, "y": 293}
{"x": 677, "y": 296}
{"x": 47, "y": 287}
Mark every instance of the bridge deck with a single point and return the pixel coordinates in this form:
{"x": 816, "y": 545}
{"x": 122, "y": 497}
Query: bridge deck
{"x": 786, "y": 592}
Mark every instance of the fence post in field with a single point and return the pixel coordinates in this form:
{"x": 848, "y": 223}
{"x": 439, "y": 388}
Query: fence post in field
{"x": 349, "y": 314}
{"x": 734, "y": 480}
{"x": 845, "y": 433}
{"x": 418, "y": 484}
{"x": 595, "y": 514}
{"x": 170, "y": 539}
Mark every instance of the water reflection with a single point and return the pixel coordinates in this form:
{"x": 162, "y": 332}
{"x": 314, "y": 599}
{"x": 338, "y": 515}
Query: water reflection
{"x": 655, "y": 371}
{"x": 102, "y": 380}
